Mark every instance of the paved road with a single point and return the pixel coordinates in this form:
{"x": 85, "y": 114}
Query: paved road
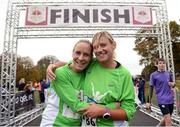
{"x": 140, "y": 119}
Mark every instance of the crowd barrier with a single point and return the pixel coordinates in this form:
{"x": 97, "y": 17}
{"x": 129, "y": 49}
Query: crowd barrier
{"x": 24, "y": 102}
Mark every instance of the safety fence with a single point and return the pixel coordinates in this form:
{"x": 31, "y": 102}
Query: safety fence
{"x": 23, "y": 119}
{"x": 156, "y": 114}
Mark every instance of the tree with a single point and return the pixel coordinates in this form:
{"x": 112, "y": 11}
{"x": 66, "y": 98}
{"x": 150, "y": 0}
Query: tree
{"x": 27, "y": 70}
{"x": 147, "y": 48}
{"x": 175, "y": 39}
{"x": 148, "y": 70}
{"x": 43, "y": 64}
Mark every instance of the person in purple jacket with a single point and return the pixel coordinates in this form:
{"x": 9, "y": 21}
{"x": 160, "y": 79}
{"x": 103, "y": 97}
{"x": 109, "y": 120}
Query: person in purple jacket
{"x": 162, "y": 81}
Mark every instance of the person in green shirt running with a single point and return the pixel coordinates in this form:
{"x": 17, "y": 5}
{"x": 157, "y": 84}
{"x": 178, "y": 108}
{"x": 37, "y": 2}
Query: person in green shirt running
{"x": 65, "y": 94}
{"x": 106, "y": 81}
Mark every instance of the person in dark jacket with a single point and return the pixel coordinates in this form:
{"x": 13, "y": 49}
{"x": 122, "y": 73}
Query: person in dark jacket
{"x": 141, "y": 90}
{"x": 43, "y": 86}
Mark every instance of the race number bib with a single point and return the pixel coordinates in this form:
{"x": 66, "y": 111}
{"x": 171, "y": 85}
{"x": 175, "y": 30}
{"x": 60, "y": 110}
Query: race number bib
{"x": 67, "y": 112}
{"x": 88, "y": 122}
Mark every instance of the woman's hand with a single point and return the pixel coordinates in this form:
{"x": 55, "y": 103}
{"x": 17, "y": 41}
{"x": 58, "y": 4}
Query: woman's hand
{"x": 50, "y": 73}
{"x": 50, "y": 69}
{"x": 93, "y": 111}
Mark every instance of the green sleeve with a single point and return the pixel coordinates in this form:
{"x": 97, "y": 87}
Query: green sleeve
{"x": 127, "y": 99}
{"x": 64, "y": 89}
{"x": 111, "y": 105}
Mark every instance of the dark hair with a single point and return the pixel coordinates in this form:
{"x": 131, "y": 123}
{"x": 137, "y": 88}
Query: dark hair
{"x": 160, "y": 59}
{"x": 84, "y": 41}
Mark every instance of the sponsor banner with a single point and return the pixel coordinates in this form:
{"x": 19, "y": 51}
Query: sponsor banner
{"x": 36, "y": 15}
{"x": 88, "y": 15}
{"x": 24, "y": 101}
{"x": 142, "y": 16}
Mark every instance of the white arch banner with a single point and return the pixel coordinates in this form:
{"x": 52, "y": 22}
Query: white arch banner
{"x": 88, "y": 15}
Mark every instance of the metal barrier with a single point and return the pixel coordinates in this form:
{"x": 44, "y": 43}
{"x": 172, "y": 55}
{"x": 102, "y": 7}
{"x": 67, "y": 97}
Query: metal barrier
{"x": 156, "y": 114}
{"x": 27, "y": 117}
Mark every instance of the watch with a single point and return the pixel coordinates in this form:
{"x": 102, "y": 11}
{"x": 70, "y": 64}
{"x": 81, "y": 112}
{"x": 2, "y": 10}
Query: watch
{"x": 107, "y": 114}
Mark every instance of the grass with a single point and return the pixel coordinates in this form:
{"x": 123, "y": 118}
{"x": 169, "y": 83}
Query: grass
{"x": 36, "y": 97}
{"x": 154, "y": 100}
{"x": 178, "y": 84}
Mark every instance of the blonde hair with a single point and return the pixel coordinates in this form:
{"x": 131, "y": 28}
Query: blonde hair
{"x": 21, "y": 81}
{"x": 105, "y": 34}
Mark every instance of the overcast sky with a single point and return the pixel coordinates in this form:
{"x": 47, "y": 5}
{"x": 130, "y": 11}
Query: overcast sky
{"x": 62, "y": 48}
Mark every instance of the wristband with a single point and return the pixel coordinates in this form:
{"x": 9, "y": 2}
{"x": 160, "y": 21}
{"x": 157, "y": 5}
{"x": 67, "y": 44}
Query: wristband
{"x": 107, "y": 114}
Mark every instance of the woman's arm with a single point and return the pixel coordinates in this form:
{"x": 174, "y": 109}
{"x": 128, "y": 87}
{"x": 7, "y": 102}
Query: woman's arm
{"x": 64, "y": 89}
{"x": 50, "y": 69}
{"x": 126, "y": 100}
{"x": 95, "y": 110}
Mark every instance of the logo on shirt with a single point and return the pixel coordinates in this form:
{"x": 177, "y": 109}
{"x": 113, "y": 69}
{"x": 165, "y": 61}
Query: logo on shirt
{"x": 96, "y": 94}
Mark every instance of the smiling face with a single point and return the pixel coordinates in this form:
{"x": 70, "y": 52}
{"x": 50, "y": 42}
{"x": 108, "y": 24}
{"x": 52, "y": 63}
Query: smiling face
{"x": 82, "y": 55}
{"x": 103, "y": 47}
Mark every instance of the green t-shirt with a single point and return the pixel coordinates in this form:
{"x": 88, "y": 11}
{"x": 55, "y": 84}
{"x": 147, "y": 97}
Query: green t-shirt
{"x": 105, "y": 86}
{"x": 64, "y": 100}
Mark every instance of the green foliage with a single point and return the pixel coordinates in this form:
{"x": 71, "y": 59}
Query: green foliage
{"x": 26, "y": 69}
{"x": 178, "y": 84}
{"x": 147, "y": 48}
{"x": 175, "y": 38}
{"x": 36, "y": 97}
{"x": 148, "y": 70}
{"x": 43, "y": 64}
{"x": 24, "y": 65}
{"x": 174, "y": 31}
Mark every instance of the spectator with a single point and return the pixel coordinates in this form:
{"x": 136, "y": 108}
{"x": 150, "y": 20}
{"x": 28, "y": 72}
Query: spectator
{"x": 21, "y": 84}
{"x": 141, "y": 90}
{"x": 29, "y": 87}
{"x": 43, "y": 86}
